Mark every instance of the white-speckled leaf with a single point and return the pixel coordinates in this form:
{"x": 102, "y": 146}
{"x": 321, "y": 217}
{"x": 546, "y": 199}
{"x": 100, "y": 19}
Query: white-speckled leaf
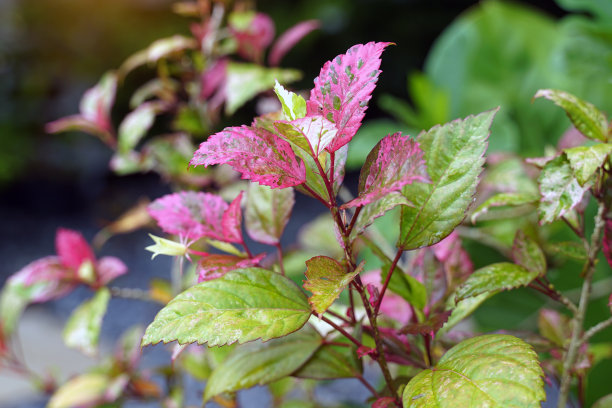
{"x": 82, "y": 331}
{"x": 260, "y": 363}
{"x": 493, "y": 278}
{"x": 585, "y": 160}
{"x": 496, "y": 370}
{"x": 243, "y": 305}
{"x": 454, "y": 156}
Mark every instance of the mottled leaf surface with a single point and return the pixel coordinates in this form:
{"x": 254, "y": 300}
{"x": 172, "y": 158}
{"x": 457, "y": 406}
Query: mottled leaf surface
{"x": 244, "y": 81}
{"x": 256, "y": 153}
{"x": 82, "y": 331}
{"x": 312, "y": 133}
{"x": 216, "y": 265}
{"x": 454, "y": 158}
{"x": 344, "y": 87}
{"x": 393, "y": 163}
{"x": 559, "y": 190}
{"x": 585, "y": 160}
{"x": 135, "y": 126}
{"x": 232, "y": 220}
{"x": 190, "y": 214}
{"x": 293, "y": 105}
{"x": 267, "y": 212}
{"x": 326, "y": 279}
{"x": 463, "y": 309}
{"x": 586, "y": 118}
{"x": 495, "y": 277}
{"x": 527, "y": 253}
{"x": 494, "y": 370}
{"x": 570, "y": 249}
{"x": 375, "y": 209}
{"x": 503, "y": 200}
{"x": 260, "y": 363}
{"x": 244, "y": 305}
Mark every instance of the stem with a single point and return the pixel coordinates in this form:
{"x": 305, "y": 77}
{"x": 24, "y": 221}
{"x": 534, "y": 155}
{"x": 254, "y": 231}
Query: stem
{"x": 398, "y": 255}
{"x": 279, "y": 251}
{"x": 339, "y": 316}
{"x": 315, "y": 195}
{"x": 578, "y": 320}
{"x": 246, "y": 248}
{"x": 341, "y": 330}
{"x": 596, "y": 329}
{"x": 353, "y": 221}
{"x": 427, "y": 340}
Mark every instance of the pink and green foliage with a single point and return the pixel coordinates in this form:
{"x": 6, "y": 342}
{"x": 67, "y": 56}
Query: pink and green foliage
{"x": 381, "y": 296}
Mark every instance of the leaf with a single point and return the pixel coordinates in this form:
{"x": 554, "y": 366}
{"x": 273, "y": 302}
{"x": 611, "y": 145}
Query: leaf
{"x": 312, "y": 133}
{"x": 586, "y": 118}
{"x": 454, "y": 158}
{"x": 607, "y": 241}
{"x": 527, "y": 253}
{"x": 405, "y": 285}
{"x": 603, "y": 402}
{"x": 267, "y": 212}
{"x": 253, "y": 32}
{"x": 232, "y": 220}
{"x": 109, "y": 268}
{"x": 244, "y": 305}
{"x": 244, "y": 81}
{"x": 394, "y": 162}
{"x": 586, "y": 160}
{"x": 494, "y": 370}
{"x": 570, "y": 249}
{"x": 190, "y": 214}
{"x": 256, "y": 153}
{"x": 503, "y": 200}
{"x": 294, "y": 106}
{"x": 559, "y": 190}
{"x": 463, "y": 309}
{"x": 260, "y": 363}
{"x": 326, "y": 279}
{"x": 84, "y": 390}
{"x": 344, "y": 87}
{"x": 82, "y": 330}
{"x": 72, "y": 248}
{"x": 375, "y": 209}
{"x": 166, "y": 247}
{"x": 329, "y": 362}
{"x": 216, "y": 265}
{"x": 289, "y": 38}
{"x": 161, "y": 48}
{"x": 39, "y": 281}
{"x": 493, "y": 278}
{"x": 554, "y": 326}
{"x": 135, "y": 126}
{"x": 96, "y": 103}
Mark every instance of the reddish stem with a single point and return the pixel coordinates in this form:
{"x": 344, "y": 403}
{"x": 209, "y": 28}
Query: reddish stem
{"x": 341, "y": 330}
{"x": 398, "y": 255}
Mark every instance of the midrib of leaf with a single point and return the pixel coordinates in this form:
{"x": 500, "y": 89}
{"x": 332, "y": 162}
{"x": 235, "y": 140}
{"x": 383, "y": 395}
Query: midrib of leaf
{"x": 434, "y": 188}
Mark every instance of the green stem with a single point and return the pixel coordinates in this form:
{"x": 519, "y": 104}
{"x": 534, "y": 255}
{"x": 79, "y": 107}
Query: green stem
{"x": 578, "y": 320}
{"x": 596, "y": 329}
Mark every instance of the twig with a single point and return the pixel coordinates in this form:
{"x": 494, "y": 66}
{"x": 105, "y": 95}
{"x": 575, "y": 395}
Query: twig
{"x": 596, "y": 329}
{"x": 341, "y": 330}
{"x": 398, "y": 255}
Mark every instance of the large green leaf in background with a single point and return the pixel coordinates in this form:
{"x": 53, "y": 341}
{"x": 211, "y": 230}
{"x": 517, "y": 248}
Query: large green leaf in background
{"x": 82, "y": 330}
{"x": 454, "y": 155}
{"x": 487, "y": 371}
{"x": 260, "y": 363}
{"x": 493, "y": 278}
{"x": 244, "y": 305}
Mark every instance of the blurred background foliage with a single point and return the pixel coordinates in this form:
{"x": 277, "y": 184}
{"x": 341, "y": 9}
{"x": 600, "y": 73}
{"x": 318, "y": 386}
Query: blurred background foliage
{"x": 452, "y": 59}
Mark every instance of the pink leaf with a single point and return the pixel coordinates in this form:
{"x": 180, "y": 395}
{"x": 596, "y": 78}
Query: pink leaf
{"x": 288, "y": 39}
{"x": 393, "y": 163}
{"x": 189, "y": 214}
{"x": 607, "y": 241}
{"x": 213, "y": 80}
{"x": 72, "y": 249}
{"x": 344, "y": 87}
{"x": 51, "y": 278}
{"x": 109, "y": 268}
{"x": 96, "y": 102}
{"x": 255, "y": 38}
{"x": 232, "y": 220}
{"x": 216, "y": 265}
{"x": 363, "y": 351}
{"x": 256, "y": 153}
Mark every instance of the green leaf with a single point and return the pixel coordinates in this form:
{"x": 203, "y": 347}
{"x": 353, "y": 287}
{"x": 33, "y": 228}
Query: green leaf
{"x": 401, "y": 283}
{"x": 495, "y": 370}
{"x": 604, "y": 402}
{"x": 559, "y": 190}
{"x": 503, "y": 200}
{"x": 330, "y": 362}
{"x": 83, "y": 390}
{"x": 454, "y": 156}
{"x": 375, "y": 209}
{"x": 260, "y": 363}
{"x": 527, "y": 253}
{"x": 15, "y": 298}
{"x": 244, "y": 81}
{"x": 135, "y": 126}
{"x": 585, "y": 160}
{"x": 294, "y": 106}
{"x": 82, "y": 330}
{"x": 326, "y": 279}
{"x": 267, "y": 212}
{"x": 463, "y": 309}
{"x": 568, "y": 249}
{"x": 243, "y": 305}
{"x": 586, "y": 118}
{"x": 494, "y": 277}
